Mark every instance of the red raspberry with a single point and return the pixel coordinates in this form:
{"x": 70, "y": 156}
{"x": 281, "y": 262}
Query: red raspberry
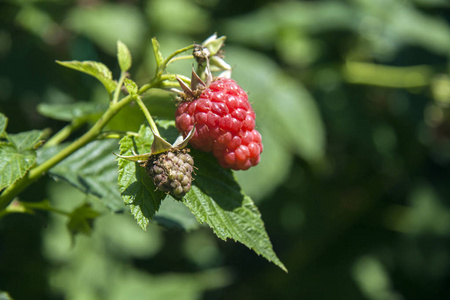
{"x": 224, "y": 124}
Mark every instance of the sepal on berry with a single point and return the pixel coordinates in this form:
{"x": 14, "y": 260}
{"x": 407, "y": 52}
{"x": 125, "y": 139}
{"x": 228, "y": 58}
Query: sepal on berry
{"x": 196, "y": 87}
{"x": 169, "y": 166}
{"x": 159, "y": 145}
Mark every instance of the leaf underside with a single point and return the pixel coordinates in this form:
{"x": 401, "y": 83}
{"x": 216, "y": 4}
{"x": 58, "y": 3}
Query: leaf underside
{"x": 91, "y": 169}
{"x": 95, "y": 69}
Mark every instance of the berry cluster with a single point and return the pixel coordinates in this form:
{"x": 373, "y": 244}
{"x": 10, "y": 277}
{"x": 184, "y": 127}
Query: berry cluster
{"x": 224, "y": 124}
{"x": 171, "y": 171}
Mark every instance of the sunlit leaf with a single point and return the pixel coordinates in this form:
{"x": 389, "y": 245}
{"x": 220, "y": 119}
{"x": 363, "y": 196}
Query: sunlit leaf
{"x": 3, "y": 123}
{"x": 137, "y": 189}
{"x": 95, "y": 69}
{"x": 27, "y": 140}
{"x": 173, "y": 214}
{"x": 72, "y": 111}
{"x": 216, "y": 198}
{"x": 123, "y": 56}
{"x": 157, "y": 52}
{"x": 14, "y": 164}
{"x": 131, "y": 86}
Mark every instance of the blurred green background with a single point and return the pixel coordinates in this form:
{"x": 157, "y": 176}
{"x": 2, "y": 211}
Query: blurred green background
{"x": 352, "y": 100}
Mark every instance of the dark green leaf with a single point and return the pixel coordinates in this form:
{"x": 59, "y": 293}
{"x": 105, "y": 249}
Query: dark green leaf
{"x": 91, "y": 169}
{"x": 136, "y": 187}
{"x": 123, "y": 56}
{"x": 216, "y": 198}
{"x": 95, "y": 69}
{"x": 80, "y": 220}
{"x": 14, "y": 164}
{"x": 3, "y": 123}
{"x": 73, "y": 111}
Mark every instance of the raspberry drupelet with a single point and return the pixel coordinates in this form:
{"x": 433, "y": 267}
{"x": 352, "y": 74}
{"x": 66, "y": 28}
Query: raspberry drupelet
{"x": 224, "y": 124}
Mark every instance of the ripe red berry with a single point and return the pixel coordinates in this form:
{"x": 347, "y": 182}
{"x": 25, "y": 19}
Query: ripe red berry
{"x": 224, "y": 124}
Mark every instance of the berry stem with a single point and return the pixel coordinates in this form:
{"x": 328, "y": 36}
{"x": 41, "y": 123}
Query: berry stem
{"x": 167, "y": 61}
{"x": 63, "y": 134}
{"x": 147, "y": 114}
{"x": 123, "y": 75}
{"x": 170, "y": 57}
{"x": 115, "y": 134}
{"x": 46, "y": 207}
{"x": 180, "y": 58}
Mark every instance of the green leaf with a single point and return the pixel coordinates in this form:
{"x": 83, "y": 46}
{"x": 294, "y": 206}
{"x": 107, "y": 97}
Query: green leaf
{"x": 216, "y": 198}
{"x": 131, "y": 86}
{"x": 26, "y": 140}
{"x": 91, "y": 169}
{"x": 173, "y": 214}
{"x": 5, "y": 296}
{"x": 156, "y": 50}
{"x": 14, "y": 163}
{"x": 136, "y": 187}
{"x": 95, "y": 69}
{"x": 105, "y": 23}
{"x": 123, "y": 56}
{"x": 80, "y": 220}
{"x": 70, "y": 112}
{"x": 3, "y": 123}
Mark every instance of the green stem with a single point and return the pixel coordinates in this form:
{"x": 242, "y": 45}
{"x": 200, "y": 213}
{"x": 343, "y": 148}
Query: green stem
{"x": 63, "y": 134}
{"x": 37, "y": 172}
{"x": 164, "y": 64}
{"x": 115, "y": 134}
{"x": 147, "y": 114}
{"x": 48, "y": 207}
{"x": 123, "y": 75}
{"x": 180, "y": 58}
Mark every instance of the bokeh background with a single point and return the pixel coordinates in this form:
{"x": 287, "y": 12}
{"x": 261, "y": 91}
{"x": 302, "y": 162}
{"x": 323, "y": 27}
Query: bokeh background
{"x": 352, "y": 100}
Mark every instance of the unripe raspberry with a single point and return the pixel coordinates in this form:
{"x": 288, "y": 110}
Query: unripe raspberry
{"x": 171, "y": 171}
{"x": 224, "y": 124}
